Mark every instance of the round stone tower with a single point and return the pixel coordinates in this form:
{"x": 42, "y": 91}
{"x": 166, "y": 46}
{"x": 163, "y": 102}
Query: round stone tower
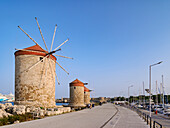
{"x": 86, "y": 96}
{"x": 35, "y": 86}
{"x": 76, "y": 94}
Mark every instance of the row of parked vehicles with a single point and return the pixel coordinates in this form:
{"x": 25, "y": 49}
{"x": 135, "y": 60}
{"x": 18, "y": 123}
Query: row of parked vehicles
{"x": 163, "y": 110}
{"x": 157, "y": 108}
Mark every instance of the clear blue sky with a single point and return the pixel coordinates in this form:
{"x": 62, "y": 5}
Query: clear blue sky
{"x": 113, "y": 42}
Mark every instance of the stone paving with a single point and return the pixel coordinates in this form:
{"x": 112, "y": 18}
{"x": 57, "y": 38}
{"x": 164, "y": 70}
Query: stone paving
{"x": 88, "y": 118}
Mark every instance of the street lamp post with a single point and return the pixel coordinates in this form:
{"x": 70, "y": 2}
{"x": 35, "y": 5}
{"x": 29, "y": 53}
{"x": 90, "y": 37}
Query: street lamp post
{"x": 128, "y": 92}
{"x": 150, "y": 85}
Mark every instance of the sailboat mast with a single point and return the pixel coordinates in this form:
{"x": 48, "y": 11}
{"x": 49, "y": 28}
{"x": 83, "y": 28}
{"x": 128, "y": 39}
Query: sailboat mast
{"x": 156, "y": 93}
{"x": 143, "y": 93}
{"x": 163, "y": 91}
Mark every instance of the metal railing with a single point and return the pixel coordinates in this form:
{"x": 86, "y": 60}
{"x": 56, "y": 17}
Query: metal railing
{"x": 147, "y": 118}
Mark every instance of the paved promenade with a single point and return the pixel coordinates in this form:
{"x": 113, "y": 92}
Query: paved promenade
{"x": 105, "y": 116}
{"x": 126, "y": 118}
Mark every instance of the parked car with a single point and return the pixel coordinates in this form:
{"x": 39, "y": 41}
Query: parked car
{"x": 140, "y": 106}
{"x": 152, "y": 108}
{"x": 167, "y": 110}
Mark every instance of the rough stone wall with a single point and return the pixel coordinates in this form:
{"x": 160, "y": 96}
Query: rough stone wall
{"x": 87, "y": 97}
{"x": 36, "y": 86}
{"x": 77, "y": 96}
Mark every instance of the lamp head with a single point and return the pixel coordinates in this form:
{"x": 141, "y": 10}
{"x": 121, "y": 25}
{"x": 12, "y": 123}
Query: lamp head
{"x": 147, "y": 90}
{"x": 160, "y": 62}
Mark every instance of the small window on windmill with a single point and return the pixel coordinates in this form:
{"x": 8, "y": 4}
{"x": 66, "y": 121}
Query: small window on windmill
{"x": 41, "y": 58}
{"x": 74, "y": 87}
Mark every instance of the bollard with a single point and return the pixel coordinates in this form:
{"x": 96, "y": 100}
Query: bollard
{"x": 156, "y": 112}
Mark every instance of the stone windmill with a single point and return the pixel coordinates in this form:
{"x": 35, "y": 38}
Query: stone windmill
{"x": 35, "y": 72}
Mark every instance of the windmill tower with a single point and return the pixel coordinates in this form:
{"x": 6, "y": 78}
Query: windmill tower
{"x": 35, "y": 72}
{"x": 77, "y": 94}
{"x": 87, "y": 95}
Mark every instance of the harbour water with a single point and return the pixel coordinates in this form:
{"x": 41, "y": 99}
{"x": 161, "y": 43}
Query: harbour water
{"x": 59, "y": 104}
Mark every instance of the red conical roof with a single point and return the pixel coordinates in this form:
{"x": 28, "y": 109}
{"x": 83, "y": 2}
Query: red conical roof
{"x": 34, "y": 50}
{"x": 77, "y": 83}
{"x": 86, "y": 89}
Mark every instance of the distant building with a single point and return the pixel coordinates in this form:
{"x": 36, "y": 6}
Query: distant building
{"x": 102, "y": 99}
{"x": 99, "y": 99}
{"x": 62, "y": 100}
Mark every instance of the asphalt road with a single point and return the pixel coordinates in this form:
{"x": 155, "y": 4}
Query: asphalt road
{"x": 105, "y": 116}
